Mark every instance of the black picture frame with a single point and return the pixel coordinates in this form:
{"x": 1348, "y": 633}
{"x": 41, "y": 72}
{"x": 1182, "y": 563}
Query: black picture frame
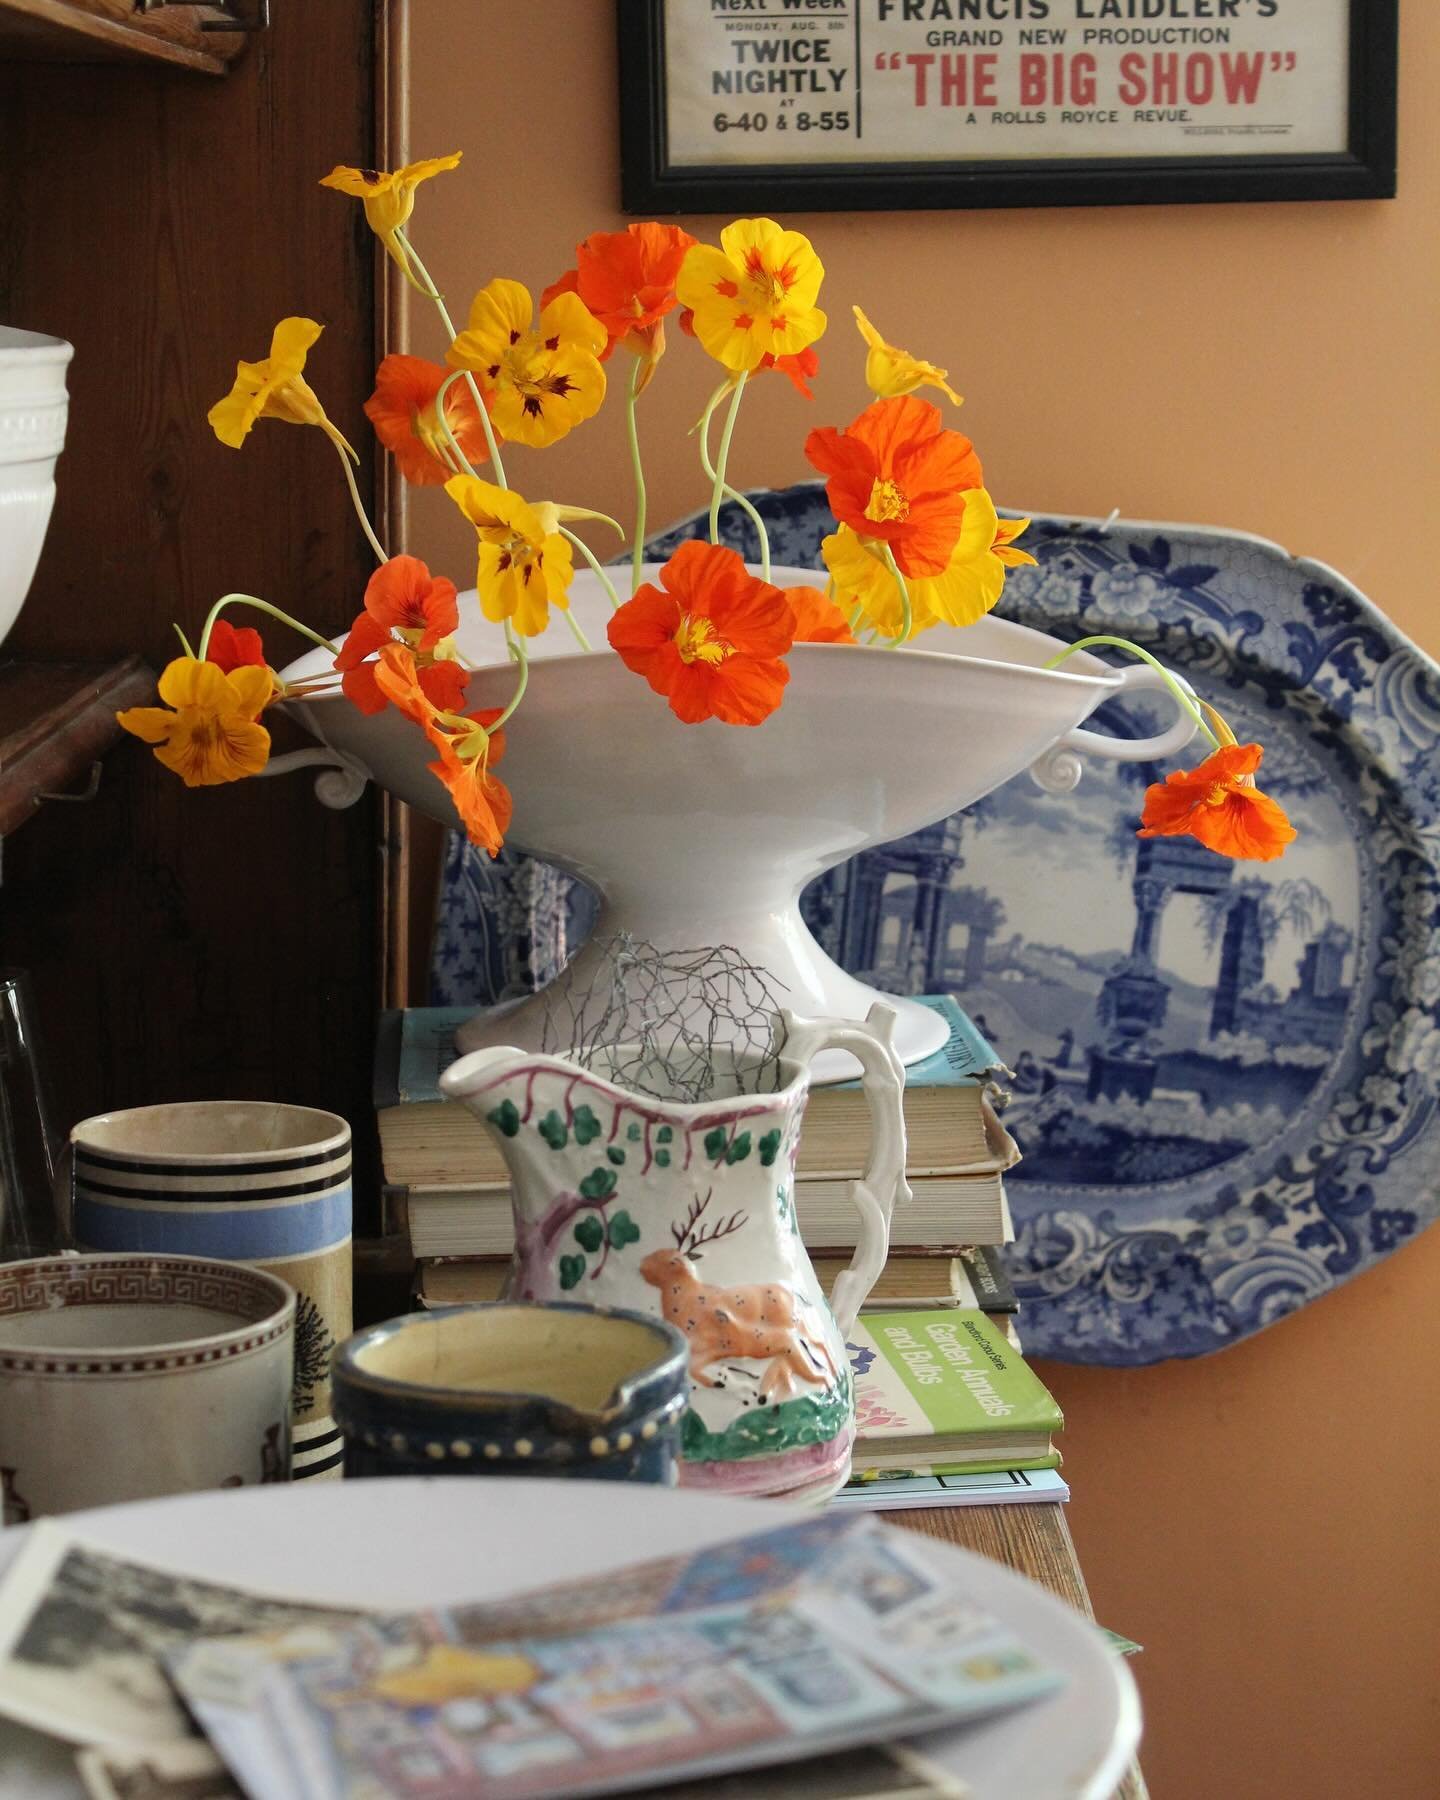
{"x": 1365, "y": 170}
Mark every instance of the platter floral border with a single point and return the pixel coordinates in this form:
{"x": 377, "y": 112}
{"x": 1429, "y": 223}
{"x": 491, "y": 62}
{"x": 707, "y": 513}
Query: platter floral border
{"x": 1359, "y": 1174}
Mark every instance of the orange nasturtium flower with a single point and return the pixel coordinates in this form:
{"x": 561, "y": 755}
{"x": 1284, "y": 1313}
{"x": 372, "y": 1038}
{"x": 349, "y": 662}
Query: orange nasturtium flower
{"x": 818, "y": 620}
{"x": 274, "y": 389}
{"x": 404, "y": 604}
{"x": 389, "y": 196}
{"x": 466, "y": 744}
{"x": 627, "y": 281}
{"x": 754, "y": 296}
{"x": 402, "y": 410}
{"x": 233, "y": 647}
{"x": 211, "y": 736}
{"x": 964, "y": 591}
{"x": 1219, "y": 804}
{"x": 889, "y": 371}
{"x": 538, "y": 382}
{"x": 897, "y": 476}
{"x": 524, "y": 566}
{"x": 710, "y": 639}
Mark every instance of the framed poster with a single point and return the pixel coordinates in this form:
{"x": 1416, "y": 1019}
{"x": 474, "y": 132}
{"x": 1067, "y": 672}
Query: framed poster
{"x": 801, "y": 105}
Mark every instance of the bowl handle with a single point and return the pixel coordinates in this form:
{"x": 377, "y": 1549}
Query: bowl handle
{"x": 1058, "y": 771}
{"x": 875, "y": 1194}
{"x": 340, "y": 785}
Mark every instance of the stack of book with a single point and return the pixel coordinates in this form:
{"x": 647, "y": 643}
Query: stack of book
{"x": 445, "y": 1173}
{"x": 446, "y": 1177}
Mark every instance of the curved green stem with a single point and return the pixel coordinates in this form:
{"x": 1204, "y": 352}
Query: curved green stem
{"x": 741, "y": 500}
{"x": 596, "y": 565}
{"x": 357, "y": 502}
{"x": 518, "y": 652}
{"x": 265, "y": 607}
{"x": 575, "y": 631}
{"x": 906, "y": 618}
{"x": 185, "y": 646}
{"x": 1183, "y": 700}
{"x": 466, "y": 467}
{"x": 717, "y": 492}
{"x": 449, "y": 324}
{"x": 637, "y": 552}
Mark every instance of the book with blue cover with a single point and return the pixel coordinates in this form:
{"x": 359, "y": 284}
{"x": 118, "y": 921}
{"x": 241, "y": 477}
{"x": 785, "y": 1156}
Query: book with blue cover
{"x": 951, "y": 1126}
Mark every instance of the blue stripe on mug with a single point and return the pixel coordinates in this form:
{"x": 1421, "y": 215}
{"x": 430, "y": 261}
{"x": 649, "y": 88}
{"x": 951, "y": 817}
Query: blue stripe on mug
{"x": 241, "y": 1234}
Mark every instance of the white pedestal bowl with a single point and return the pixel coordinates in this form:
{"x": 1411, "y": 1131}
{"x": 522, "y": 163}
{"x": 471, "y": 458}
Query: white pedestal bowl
{"x": 706, "y": 834}
{"x": 33, "y": 409}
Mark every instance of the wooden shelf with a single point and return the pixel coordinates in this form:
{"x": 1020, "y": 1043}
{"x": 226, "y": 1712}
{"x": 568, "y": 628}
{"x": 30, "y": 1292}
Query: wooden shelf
{"x": 56, "y": 720}
{"x": 87, "y": 31}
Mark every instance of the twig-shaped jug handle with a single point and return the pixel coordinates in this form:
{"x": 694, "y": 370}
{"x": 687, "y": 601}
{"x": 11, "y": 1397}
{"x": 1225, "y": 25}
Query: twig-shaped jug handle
{"x": 875, "y": 1194}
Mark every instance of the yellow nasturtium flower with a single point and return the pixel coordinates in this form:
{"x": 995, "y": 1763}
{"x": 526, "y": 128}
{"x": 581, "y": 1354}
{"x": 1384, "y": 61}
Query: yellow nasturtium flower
{"x": 524, "y": 565}
{"x": 389, "y": 196}
{"x": 754, "y": 296}
{"x": 890, "y": 371}
{"x": 212, "y": 735}
{"x": 964, "y": 592}
{"x": 274, "y": 389}
{"x": 538, "y": 383}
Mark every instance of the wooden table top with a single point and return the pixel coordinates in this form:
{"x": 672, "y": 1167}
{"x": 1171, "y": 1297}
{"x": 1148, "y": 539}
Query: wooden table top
{"x": 1034, "y": 1539}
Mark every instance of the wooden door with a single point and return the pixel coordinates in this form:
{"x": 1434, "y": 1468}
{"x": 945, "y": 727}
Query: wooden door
{"x": 220, "y": 942}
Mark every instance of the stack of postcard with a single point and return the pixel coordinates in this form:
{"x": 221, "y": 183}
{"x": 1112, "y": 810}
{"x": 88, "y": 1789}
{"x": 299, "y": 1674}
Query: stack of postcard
{"x": 779, "y": 1648}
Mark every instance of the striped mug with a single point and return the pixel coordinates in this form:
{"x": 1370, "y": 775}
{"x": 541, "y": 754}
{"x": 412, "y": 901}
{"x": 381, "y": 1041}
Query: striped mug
{"x": 245, "y": 1181}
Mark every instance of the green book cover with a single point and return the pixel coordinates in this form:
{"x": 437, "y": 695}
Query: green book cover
{"x": 943, "y": 1374}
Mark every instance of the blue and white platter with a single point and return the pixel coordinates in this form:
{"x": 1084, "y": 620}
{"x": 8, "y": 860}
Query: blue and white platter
{"x": 1226, "y": 1074}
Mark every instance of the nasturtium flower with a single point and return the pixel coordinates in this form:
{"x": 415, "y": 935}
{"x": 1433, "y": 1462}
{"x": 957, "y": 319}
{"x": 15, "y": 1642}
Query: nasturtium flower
{"x": 538, "y": 381}
{"x": 389, "y": 196}
{"x": 627, "y": 281}
{"x": 404, "y": 604}
{"x": 898, "y": 477}
{"x": 274, "y": 389}
{"x": 233, "y": 647}
{"x": 800, "y": 369}
{"x": 524, "y": 566}
{"x": 211, "y": 736}
{"x": 710, "y": 638}
{"x": 1219, "y": 804}
{"x": 754, "y": 296}
{"x": 403, "y": 411}
{"x": 964, "y": 591}
{"x": 890, "y": 372}
{"x": 818, "y": 620}
{"x": 467, "y": 747}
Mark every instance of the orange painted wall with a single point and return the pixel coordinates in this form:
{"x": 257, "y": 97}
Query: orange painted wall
{"x": 1263, "y": 1521}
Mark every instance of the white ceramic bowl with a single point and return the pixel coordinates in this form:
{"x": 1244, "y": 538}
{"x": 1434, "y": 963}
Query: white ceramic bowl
{"x": 33, "y": 408}
{"x": 706, "y": 834}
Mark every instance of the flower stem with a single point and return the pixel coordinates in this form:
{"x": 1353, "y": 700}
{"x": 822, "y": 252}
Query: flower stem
{"x": 357, "y": 502}
{"x": 733, "y": 493}
{"x": 265, "y": 607}
{"x": 185, "y": 645}
{"x": 459, "y": 461}
{"x": 518, "y": 652}
{"x": 1183, "y": 700}
{"x": 575, "y": 631}
{"x": 637, "y": 552}
{"x": 596, "y": 565}
{"x": 904, "y": 587}
{"x": 718, "y": 490}
{"x": 452, "y": 334}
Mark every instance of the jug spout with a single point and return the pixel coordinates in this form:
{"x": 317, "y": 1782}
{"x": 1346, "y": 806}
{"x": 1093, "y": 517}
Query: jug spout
{"x": 481, "y": 1074}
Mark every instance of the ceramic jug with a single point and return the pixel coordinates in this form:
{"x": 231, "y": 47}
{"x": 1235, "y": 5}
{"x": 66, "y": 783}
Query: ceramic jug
{"x": 686, "y": 1210}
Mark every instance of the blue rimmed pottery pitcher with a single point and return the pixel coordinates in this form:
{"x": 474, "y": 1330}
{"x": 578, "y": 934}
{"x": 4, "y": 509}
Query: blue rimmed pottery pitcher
{"x": 685, "y": 1210}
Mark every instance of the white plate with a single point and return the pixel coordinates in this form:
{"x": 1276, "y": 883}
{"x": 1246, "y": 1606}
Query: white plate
{"x": 410, "y": 1542}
